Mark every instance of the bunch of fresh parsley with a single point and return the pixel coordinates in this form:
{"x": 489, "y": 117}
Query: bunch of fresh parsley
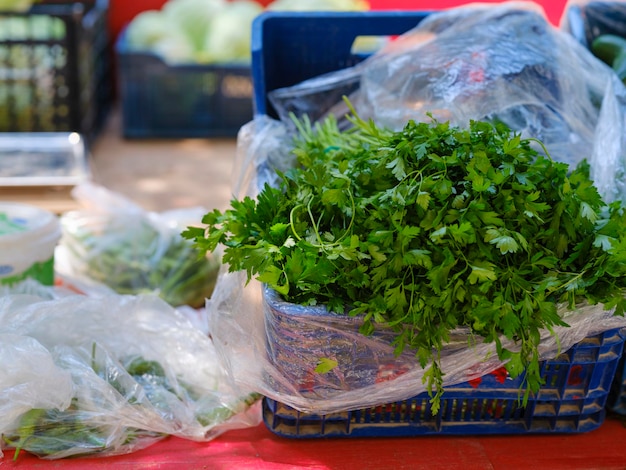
{"x": 428, "y": 229}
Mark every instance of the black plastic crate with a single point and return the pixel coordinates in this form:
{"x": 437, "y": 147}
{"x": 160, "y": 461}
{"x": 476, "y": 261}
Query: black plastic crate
{"x": 572, "y": 400}
{"x": 161, "y": 100}
{"x": 55, "y": 68}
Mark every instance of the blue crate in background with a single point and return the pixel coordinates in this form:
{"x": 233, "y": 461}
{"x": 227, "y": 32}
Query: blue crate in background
{"x": 572, "y": 400}
{"x": 161, "y": 100}
{"x": 55, "y": 68}
{"x": 290, "y": 47}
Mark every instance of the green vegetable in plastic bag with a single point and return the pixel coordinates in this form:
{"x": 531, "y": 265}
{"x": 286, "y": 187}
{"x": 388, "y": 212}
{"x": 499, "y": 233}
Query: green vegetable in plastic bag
{"x": 108, "y": 375}
{"x": 116, "y": 244}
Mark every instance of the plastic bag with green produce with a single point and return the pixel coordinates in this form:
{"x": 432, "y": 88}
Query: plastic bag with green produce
{"x": 112, "y": 244}
{"x": 110, "y": 375}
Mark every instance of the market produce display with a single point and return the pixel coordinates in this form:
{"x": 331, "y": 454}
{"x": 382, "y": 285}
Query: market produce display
{"x": 140, "y": 259}
{"x": 46, "y": 432}
{"x": 427, "y": 229}
{"x": 196, "y": 30}
{"x": 211, "y": 31}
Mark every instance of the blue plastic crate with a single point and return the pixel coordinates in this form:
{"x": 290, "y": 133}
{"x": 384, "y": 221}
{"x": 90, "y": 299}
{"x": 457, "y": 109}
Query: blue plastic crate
{"x": 55, "y": 68}
{"x": 572, "y": 400}
{"x": 161, "y": 100}
{"x": 617, "y": 396}
{"x": 289, "y": 47}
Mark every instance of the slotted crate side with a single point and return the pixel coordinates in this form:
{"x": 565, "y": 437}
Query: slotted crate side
{"x": 617, "y": 395}
{"x": 54, "y": 68}
{"x": 573, "y": 399}
{"x": 362, "y": 423}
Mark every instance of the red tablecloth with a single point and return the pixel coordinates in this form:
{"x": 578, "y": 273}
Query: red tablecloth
{"x": 259, "y": 449}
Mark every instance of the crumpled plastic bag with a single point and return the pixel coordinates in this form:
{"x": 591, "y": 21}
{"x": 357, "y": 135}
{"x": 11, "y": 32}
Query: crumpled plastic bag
{"x": 108, "y": 375}
{"x": 111, "y": 244}
{"x": 486, "y": 62}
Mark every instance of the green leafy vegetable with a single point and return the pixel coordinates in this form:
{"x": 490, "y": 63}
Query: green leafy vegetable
{"x": 428, "y": 229}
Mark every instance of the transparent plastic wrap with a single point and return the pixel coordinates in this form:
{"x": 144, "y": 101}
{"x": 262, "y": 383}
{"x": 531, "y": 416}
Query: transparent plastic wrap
{"x": 275, "y": 347}
{"x": 108, "y": 375}
{"x": 503, "y": 63}
{"x": 111, "y": 244}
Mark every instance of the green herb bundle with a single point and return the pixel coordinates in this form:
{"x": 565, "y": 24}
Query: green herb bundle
{"x": 137, "y": 258}
{"x": 428, "y": 229}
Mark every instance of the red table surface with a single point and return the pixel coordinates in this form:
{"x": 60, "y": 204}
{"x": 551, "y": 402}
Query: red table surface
{"x": 257, "y": 448}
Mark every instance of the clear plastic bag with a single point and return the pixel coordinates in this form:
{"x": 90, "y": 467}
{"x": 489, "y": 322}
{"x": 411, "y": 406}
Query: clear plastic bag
{"x": 486, "y": 62}
{"x": 111, "y": 244}
{"x": 108, "y": 375}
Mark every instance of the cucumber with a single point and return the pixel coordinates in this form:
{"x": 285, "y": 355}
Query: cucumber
{"x": 619, "y": 65}
{"x": 607, "y": 47}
